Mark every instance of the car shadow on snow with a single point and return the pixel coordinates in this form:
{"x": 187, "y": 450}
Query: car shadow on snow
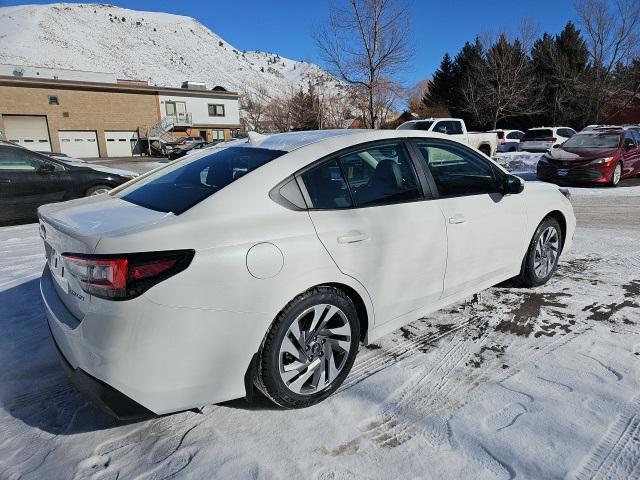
{"x": 33, "y": 386}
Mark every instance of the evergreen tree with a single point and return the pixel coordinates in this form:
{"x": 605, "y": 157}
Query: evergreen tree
{"x": 466, "y": 65}
{"x": 561, "y": 66}
{"x": 441, "y": 88}
{"x": 304, "y": 110}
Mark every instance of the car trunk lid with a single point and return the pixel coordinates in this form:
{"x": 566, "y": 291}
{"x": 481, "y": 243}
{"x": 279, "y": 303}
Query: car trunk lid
{"x": 76, "y": 227}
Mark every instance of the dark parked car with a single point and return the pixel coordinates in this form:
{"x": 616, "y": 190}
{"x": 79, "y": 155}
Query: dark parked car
{"x": 29, "y": 179}
{"x": 182, "y": 151}
{"x": 601, "y": 156}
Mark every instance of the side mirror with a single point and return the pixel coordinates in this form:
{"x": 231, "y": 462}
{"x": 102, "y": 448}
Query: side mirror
{"x": 557, "y": 145}
{"x": 513, "y": 185}
{"x": 46, "y": 168}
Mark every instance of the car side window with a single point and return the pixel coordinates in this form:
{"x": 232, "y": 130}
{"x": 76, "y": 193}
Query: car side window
{"x": 514, "y": 135}
{"x": 449, "y": 127}
{"x": 630, "y": 139}
{"x": 380, "y": 174}
{"x": 457, "y": 171}
{"x": 326, "y": 186}
{"x": 17, "y": 159}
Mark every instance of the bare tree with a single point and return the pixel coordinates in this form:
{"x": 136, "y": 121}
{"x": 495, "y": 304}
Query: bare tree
{"x": 366, "y": 44}
{"x": 612, "y": 31}
{"x": 500, "y": 83}
{"x": 336, "y": 108}
{"x": 253, "y": 104}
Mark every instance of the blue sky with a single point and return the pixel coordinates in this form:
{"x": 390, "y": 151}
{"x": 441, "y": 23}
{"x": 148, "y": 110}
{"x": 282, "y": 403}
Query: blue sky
{"x": 285, "y": 26}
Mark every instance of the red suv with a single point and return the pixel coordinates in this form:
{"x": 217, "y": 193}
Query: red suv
{"x": 601, "y": 156}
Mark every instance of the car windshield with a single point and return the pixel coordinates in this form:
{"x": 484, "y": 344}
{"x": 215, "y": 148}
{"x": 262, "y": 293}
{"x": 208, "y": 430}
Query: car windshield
{"x": 183, "y": 184}
{"x": 415, "y": 126}
{"x": 593, "y": 140}
{"x": 538, "y": 133}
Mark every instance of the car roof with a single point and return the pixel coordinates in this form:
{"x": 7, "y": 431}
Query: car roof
{"x": 290, "y": 141}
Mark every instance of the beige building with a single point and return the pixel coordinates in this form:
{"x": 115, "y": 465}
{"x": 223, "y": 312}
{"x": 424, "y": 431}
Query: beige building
{"x": 100, "y": 119}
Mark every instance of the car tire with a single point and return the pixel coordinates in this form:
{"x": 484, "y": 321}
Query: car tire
{"x": 541, "y": 259}
{"x": 616, "y": 175}
{"x": 97, "y": 190}
{"x": 296, "y": 361}
{"x": 486, "y": 150}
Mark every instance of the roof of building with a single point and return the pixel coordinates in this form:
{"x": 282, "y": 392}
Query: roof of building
{"x": 124, "y": 87}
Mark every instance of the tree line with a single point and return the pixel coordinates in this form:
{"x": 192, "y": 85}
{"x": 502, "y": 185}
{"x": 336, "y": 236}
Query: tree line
{"x": 588, "y": 73}
{"x": 575, "y": 78}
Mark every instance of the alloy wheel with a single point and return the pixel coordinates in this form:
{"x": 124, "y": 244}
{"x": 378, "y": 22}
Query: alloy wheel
{"x": 617, "y": 173}
{"x": 546, "y": 252}
{"x": 315, "y": 349}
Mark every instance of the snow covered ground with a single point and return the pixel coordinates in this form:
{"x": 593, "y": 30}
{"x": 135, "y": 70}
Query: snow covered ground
{"x": 539, "y": 383}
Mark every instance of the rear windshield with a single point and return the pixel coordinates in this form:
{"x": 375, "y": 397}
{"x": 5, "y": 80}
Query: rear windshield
{"x": 185, "y": 183}
{"x": 415, "y": 126}
{"x": 538, "y": 133}
{"x": 593, "y": 140}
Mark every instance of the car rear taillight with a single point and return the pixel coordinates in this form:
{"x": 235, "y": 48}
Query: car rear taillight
{"x": 550, "y": 139}
{"x": 121, "y": 277}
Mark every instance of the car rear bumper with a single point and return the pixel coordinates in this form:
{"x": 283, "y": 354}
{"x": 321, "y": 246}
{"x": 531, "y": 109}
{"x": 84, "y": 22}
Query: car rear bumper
{"x": 105, "y": 397}
{"x": 535, "y": 146}
{"x": 137, "y": 357}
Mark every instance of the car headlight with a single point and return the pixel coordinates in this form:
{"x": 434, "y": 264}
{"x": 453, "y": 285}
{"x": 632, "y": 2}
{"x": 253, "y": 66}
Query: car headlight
{"x": 600, "y": 161}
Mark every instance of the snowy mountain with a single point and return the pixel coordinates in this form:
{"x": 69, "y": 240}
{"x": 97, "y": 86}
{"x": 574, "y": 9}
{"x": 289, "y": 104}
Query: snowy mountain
{"x": 162, "y": 48}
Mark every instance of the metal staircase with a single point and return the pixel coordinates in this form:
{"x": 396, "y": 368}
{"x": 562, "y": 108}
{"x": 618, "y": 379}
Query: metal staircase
{"x": 161, "y": 133}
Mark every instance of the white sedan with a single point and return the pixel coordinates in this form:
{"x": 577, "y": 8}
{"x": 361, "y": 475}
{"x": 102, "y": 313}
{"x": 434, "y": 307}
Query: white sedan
{"x": 266, "y": 263}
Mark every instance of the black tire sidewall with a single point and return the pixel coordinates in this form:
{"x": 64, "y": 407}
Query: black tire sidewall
{"x": 269, "y": 380}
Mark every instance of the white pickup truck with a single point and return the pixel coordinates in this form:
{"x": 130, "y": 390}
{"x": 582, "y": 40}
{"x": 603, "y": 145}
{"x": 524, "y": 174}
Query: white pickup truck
{"x": 487, "y": 143}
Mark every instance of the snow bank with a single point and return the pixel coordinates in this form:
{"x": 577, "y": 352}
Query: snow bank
{"x": 518, "y": 162}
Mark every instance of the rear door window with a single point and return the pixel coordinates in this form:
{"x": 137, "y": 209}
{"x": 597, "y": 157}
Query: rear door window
{"x": 380, "y": 174}
{"x": 326, "y": 186}
{"x": 375, "y": 175}
{"x": 186, "y": 183}
{"x": 538, "y": 134}
{"x": 515, "y": 135}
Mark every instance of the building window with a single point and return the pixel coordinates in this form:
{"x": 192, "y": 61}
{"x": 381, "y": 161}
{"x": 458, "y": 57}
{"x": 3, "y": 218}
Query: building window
{"x": 217, "y": 134}
{"x": 53, "y": 100}
{"x": 216, "y": 110}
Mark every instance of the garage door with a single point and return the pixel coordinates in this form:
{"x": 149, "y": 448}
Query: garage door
{"x": 28, "y": 131}
{"x": 121, "y": 144}
{"x": 79, "y": 143}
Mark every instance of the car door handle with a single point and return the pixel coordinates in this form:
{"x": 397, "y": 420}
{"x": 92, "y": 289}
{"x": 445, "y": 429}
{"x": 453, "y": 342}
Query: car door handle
{"x": 458, "y": 218}
{"x": 353, "y": 237}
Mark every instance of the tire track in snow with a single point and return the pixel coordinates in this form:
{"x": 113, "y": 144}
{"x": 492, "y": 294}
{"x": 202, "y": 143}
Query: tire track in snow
{"x": 387, "y": 357}
{"x": 154, "y": 449}
{"x": 618, "y": 454}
